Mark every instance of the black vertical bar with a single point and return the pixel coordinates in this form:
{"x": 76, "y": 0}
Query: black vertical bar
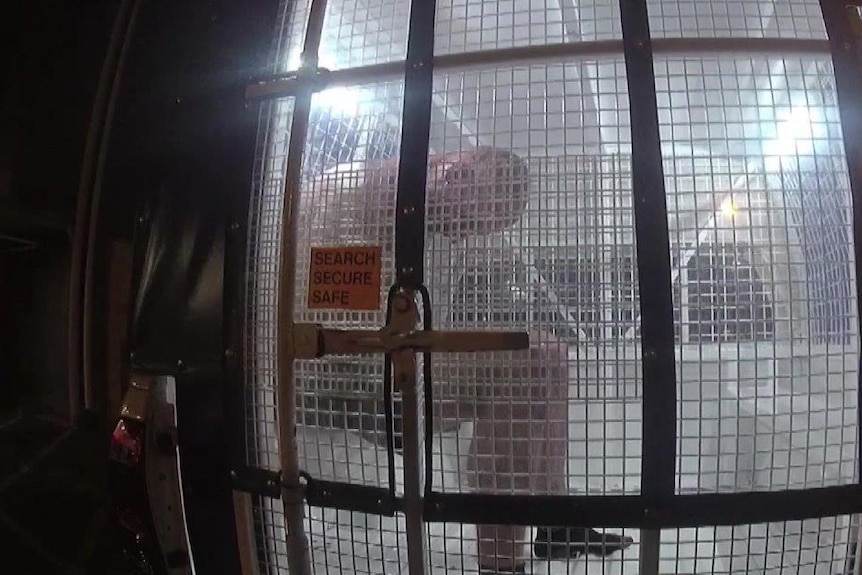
{"x": 237, "y": 238}
{"x": 846, "y": 50}
{"x": 410, "y": 234}
{"x": 653, "y": 255}
{"x": 415, "y": 134}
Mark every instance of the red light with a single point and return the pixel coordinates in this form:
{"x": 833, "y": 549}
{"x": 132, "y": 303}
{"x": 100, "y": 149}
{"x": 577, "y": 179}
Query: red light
{"x": 126, "y": 445}
{"x": 130, "y": 520}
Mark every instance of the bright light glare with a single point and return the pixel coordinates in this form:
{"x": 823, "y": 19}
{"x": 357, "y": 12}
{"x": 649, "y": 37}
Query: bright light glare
{"x": 794, "y": 133}
{"x": 325, "y": 59}
{"x": 728, "y": 208}
{"x": 340, "y": 100}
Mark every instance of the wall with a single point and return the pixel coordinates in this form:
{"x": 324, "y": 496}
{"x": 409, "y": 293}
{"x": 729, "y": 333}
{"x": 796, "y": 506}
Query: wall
{"x": 45, "y": 104}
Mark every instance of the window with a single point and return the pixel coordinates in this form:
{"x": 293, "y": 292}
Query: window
{"x": 597, "y": 290}
{"x": 719, "y": 296}
{"x": 337, "y": 139}
{"x": 722, "y": 297}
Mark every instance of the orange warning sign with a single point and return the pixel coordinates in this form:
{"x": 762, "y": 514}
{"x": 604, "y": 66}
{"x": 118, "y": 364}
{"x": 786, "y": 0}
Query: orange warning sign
{"x": 345, "y": 278}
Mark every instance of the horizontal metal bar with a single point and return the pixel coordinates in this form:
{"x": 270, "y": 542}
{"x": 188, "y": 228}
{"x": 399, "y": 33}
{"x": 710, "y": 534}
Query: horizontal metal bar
{"x": 350, "y": 497}
{"x": 257, "y": 481}
{"x": 287, "y": 85}
{"x": 493, "y": 509}
{"x": 743, "y": 46}
{"x": 635, "y": 511}
{"x": 528, "y": 54}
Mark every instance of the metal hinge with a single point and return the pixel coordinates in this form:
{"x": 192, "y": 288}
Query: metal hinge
{"x": 257, "y": 481}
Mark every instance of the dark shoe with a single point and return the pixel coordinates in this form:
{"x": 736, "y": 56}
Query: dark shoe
{"x": 572, "y": 542}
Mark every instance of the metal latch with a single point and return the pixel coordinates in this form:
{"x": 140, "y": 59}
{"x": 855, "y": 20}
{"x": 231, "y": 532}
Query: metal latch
{"x": 401, "y": 334}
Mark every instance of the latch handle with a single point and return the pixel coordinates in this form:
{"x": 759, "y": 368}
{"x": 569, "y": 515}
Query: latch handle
{"x": 315, "y": 341}
{"x": 467, "y": 341}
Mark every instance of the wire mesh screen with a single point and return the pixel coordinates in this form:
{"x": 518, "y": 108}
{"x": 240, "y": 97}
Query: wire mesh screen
{"x": 352, "y": 542}
{"x": 763, "y": 273}
{"x": 363, "y": 32}
{"x": 350, "y": 166}
{"x": 798, "y": 19}
{"x": 556, "y": 261}
{"x": 530, "y": 227}
{"x": 340, "y": 541}
{"x": 815, "y": 546}
{"x": 264, "y": 232}
{"x": 471, "y": 25}
{"x": 289, "y": 35}
{"x": 458, "y": 548}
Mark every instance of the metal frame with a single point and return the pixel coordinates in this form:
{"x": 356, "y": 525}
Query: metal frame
{"x": 410, "y": 250}
{"x": 81, "y": 274}
{"x": 658, "y": 506}
{"x": 292, "y": 488}
{"x": 270, "y": 87}
{"x": 412, "y": 165}
{"x": 652, "y": 251}
{"x": 847, "y": 62}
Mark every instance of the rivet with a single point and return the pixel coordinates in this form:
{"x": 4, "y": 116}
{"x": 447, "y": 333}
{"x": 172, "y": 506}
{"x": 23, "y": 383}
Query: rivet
{"x": 409, "y": 210}
{"x": 178, "y": 101}
{"x": 180, "y": 364}
{"x": 228, "y": 353}
{"x": 233, "y": 474}
{"x": 407, "y": 270}
{"x": 418, "y": 64}
{"x": 234, "y": 226}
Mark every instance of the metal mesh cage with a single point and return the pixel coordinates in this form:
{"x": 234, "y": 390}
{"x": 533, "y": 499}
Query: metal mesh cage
{"x": 762, "y": 273}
